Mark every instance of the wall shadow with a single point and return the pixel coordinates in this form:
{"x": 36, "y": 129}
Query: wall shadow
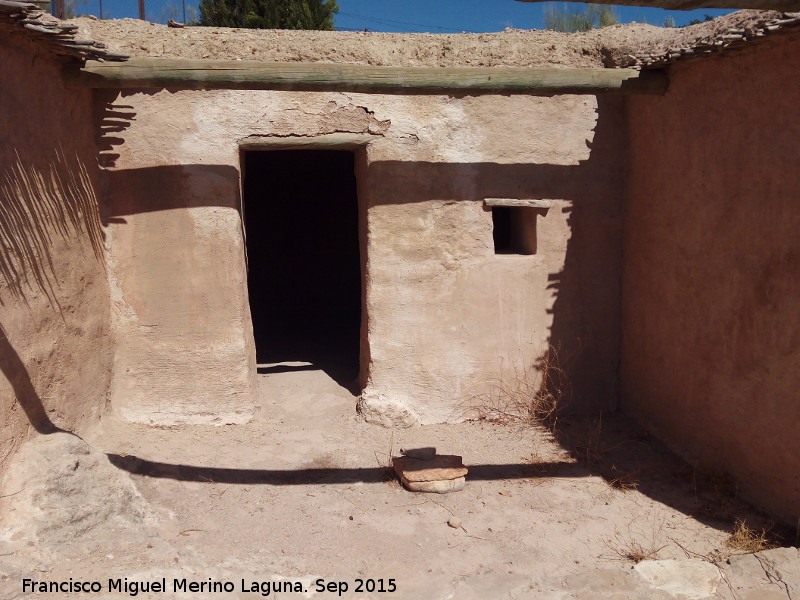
{"x": 627, "y": 457}
{"x": 617, "y": 450}
{"x": 274, "y": 369}
{"x": 169, "y": 187}
{"x": 111, "y": 117}
{"x": 42, "y": 198}
{"x": 13, "y": 368}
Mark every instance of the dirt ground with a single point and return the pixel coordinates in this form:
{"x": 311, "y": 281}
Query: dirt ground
{"x": 302, "y": 493}
{"x": 610, "y": 46}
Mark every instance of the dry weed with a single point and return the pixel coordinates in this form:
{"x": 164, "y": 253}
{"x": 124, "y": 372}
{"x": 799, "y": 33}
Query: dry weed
{"x": 637, "y": 547}
{"x": 530, "y": 396}
{"x": 636, "y": 552}
{"x": 624, "y": 482}
{"x": 713, "y": 557}
{"x": 742, "y": 540}
{"x": 386, "y": 466}
{"x": 747, "y": 540}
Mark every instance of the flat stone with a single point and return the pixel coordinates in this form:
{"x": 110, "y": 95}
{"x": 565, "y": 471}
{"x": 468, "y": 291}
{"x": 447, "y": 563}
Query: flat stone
{"x": 774, "y": 571}
{"x": 690, "y": 579}
{"x": 443, "y": 486}
{"x": 439, "y": 468}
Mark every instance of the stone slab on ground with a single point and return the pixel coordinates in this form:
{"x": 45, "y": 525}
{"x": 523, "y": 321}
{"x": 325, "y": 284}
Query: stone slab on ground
{"x": 440, "y": 474}
{"x": 765, "y": 575}
{"x": 693, "y": 579}
{"x": 441, "y": 467}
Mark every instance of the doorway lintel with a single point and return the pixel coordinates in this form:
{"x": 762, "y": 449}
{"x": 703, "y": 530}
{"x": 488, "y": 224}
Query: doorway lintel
{"x": 327, "y": 141}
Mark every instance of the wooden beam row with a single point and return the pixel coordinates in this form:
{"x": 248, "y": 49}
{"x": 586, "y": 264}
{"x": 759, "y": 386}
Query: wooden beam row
{"x": 181, "y": 74}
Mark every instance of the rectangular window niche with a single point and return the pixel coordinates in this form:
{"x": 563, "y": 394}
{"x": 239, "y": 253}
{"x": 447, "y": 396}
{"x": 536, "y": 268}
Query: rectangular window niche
{"x": 514, "y": 224}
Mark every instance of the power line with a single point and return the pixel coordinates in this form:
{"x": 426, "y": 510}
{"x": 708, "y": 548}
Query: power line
{"x": 394, "y": 22}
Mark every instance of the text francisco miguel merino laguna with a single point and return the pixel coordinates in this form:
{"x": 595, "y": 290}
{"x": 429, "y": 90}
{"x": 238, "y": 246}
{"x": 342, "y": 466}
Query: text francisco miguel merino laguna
{"x": 264, "y": 588}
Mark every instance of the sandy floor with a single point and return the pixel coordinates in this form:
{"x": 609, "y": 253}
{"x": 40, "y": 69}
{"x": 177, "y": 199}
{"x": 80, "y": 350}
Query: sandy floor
{"x": 302, "y": 493}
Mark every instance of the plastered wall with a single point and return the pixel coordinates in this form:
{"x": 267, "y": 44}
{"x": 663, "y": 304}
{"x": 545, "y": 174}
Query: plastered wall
{"x": 711, "y": 278}
{"x": 446, "y": 317}
{"x": 55, "y": 343}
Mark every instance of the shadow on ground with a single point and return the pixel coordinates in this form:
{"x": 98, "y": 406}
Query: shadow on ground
{"x": 628, "y": 458}
{"x": 160, "y": 470}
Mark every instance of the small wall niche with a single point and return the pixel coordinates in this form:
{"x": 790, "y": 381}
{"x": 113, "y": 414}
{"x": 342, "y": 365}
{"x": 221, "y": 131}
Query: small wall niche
{"x": 514, "y": 224}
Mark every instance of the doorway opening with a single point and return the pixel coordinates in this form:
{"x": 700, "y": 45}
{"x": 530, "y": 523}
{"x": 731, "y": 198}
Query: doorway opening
{"x": 301, "y": 220}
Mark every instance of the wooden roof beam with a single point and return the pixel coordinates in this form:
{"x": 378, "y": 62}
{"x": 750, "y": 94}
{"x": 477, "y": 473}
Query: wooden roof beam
{"x": 782, "y": 5}
{"x": 190, "y": 74}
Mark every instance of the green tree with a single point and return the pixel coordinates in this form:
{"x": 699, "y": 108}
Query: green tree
{"x": 269, "y": 14}
{"x": 570, "y": 20}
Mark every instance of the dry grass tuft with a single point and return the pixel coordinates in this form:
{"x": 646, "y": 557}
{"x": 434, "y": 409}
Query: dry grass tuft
{"x": 636, "y": 548}
{"x": 748, "y": 540}
{"x": 636, "y": 552}
{"x": 553, "y": 387}
{"x": 530, "y": 396}
{"x": 387, "y": 469}
{"x": 624, "y": 482}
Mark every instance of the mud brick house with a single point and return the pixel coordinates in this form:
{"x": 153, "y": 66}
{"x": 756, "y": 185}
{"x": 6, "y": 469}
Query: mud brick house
{"x": 434, "y": 212}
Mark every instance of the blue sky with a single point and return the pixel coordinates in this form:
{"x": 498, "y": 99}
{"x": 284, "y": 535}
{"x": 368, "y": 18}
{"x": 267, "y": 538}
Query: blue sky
{"x": 435, "y": 16}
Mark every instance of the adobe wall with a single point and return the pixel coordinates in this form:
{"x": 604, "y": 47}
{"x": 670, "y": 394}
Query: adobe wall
{"x": 711, "y": 278}
{"x": 55, "y": 344}
{"x": 447, "y": 317}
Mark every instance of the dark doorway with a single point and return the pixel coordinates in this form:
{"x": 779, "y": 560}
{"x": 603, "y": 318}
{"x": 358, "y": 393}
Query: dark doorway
{"x": 304, "y": 273}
